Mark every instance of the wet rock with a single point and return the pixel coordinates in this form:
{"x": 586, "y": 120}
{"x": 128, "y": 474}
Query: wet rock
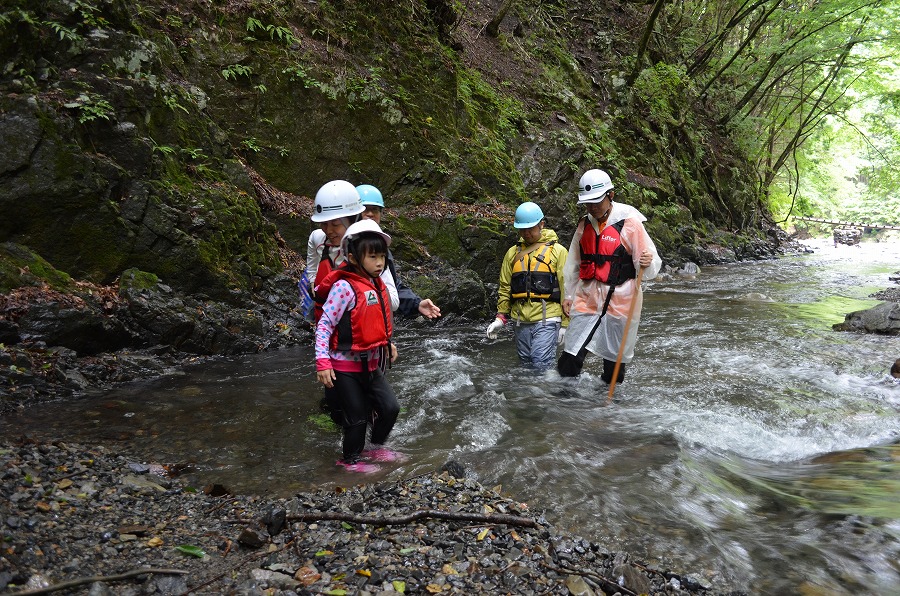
{"x": 630, "y": 578}
{"x": 252, "y": 537}
{"x": 847, "y": 235}
{"x": 139, "y": 468}
{"x": 882, "y": 319}
{"x": 578, "y": 586}
{"x": 140, "y": 483}
{"x": 454, "y": 468}
{"x": 274, "y": 520}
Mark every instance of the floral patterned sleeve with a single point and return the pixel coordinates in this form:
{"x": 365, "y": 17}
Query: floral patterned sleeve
{"x": 340, "y": 298}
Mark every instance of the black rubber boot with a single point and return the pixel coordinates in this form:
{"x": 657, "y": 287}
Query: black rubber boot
{"x": 569, "y": 365}
{"x": 608, "y": 367}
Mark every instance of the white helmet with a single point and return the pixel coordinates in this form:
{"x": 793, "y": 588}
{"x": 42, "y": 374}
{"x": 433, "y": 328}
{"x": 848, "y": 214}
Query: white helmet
{"x": 335, "y": 199}
{"x": 594, "y": 184}
{"x": 361, "y": 227}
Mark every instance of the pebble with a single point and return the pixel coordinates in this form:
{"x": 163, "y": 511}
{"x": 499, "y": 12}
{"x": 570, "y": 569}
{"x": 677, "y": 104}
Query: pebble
{"x": 56, "y": 531}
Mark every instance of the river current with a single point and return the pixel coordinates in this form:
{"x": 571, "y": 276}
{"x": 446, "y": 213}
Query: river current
{"x": 749, "y": 445}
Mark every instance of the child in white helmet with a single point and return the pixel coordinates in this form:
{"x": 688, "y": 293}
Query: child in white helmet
{"x": 531, "y": 282}
{"x": 353, "y": 347}
{"x": 609, "y": 246}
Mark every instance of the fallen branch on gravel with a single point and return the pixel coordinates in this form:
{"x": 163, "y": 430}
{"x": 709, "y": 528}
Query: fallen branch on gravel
{"x": 497, "y": 518}
{"x": 608, "y": 583}
{"x": 99, "y": 578}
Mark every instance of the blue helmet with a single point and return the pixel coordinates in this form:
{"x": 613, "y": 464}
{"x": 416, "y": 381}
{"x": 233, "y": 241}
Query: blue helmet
{"x": 528, "y": 215}
{"x": 370, "y": 195}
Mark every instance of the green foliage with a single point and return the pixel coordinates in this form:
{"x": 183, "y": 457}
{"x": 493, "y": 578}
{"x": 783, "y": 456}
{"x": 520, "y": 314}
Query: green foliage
{"x": 780, "y": 75}
{"x": 90, "y": 14}
{"x": 661, "y": 90}
{"x": 233, "y": 71}
{"x": 189, "y": 549}
{"x": 297, "y": 73}
{"x": 251, "y": 144}
{"x": 171, "y": 102}
{"x": 323, "y": 421}
{"x": 60, "y": 25}
{"x": 666, "y": 210}
{"x": 847, "y": 168}
{"x": 166, "y": 150}
{"x": 276, "y": 32}
{"x": 90, "y": 107}
{"x": 64, "y": 33}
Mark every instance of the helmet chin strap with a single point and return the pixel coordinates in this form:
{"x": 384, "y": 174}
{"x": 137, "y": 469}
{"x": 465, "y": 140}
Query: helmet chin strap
{"x": 609, "y": 209}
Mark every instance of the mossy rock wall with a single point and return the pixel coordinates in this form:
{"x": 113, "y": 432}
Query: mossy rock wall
{"x": 125, "y": 131}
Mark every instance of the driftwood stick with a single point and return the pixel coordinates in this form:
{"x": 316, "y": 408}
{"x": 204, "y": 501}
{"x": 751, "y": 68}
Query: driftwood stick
{"x": 99, "y": 578}
{"x": 590, "y": 574}
{"x": 497, "y": 518}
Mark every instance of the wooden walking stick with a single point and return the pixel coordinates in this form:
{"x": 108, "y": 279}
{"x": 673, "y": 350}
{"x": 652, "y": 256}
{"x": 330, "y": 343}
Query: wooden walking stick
{"x": 615, "y": 375}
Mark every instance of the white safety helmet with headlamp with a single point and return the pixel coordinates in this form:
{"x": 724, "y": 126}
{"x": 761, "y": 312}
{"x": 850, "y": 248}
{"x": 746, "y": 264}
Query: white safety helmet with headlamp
{"x": 593, "y": 186}
{"x": 361, "y": 227}
{"x": 335, "y": 199}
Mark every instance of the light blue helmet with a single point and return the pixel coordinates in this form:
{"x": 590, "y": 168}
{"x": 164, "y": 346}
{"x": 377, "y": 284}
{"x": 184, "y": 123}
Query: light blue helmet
{"x": 370, "y": 195}
{"x": 528, "y": 215}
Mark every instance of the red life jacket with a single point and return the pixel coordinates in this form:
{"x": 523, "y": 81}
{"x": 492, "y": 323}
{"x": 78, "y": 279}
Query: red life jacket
{"x": 369, "y": 324}
{"x": 326, "y": 266}
{"x": 603, "y": 256}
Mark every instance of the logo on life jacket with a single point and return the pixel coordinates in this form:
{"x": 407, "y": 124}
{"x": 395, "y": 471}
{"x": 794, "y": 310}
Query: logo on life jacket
{"x": 371, "y": 298}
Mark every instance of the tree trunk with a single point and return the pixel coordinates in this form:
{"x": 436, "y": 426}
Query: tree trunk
{"x": 645, "y": 41}
{"x": 493, "y": 27}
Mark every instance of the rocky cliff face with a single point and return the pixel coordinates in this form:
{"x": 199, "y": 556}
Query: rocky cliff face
{"x": 180, "y": 142}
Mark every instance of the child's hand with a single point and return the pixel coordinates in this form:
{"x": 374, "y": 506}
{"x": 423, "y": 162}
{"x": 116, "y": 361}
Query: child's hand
{"x": 326, "y": 377}
{"x": 393, "y": 353}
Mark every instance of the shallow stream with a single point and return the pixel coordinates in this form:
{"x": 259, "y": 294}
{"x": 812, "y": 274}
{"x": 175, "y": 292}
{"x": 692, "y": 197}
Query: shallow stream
{"x": 750, "y": 444}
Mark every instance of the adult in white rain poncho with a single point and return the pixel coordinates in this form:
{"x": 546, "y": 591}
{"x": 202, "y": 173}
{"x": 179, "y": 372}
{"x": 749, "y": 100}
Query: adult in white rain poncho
{"x": 609, "y": 246}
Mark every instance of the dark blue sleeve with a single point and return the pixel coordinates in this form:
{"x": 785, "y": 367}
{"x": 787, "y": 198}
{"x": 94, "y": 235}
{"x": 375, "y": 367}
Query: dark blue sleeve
{"x": 409, "y": 300}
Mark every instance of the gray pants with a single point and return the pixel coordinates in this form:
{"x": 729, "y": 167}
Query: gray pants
{"x": 536, "y": 343}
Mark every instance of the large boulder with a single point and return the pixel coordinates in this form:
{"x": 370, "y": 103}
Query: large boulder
{"x": 883, "y": 319}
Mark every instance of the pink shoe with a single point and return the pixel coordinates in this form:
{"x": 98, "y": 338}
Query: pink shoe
{"x": 383, "y": 454}
{"x": 360, "y": 467}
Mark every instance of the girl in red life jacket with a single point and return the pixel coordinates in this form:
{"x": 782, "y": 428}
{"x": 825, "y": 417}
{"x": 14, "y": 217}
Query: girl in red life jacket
{"x": 353, "y": 347}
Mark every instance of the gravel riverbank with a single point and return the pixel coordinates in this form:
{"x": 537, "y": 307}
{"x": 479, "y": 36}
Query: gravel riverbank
{"x": 106, "y": 523}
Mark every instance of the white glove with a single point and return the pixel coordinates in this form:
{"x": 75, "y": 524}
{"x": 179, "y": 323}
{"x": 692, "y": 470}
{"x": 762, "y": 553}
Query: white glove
{"x": 561, "y": 336}
{"x": 494, "y": 327}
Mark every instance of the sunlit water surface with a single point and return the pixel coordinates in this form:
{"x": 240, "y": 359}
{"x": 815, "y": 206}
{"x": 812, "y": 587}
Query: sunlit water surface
{"x": 749, "y": 444}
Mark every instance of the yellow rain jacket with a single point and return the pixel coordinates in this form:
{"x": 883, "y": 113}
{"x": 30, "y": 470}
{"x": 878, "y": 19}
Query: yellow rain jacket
{"x": 531, "y": 280}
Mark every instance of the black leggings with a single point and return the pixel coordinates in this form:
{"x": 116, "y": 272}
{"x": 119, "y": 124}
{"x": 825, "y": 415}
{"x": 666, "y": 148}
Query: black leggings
{"x": 570, "y": 366}
{"x": 358, "y": 399}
